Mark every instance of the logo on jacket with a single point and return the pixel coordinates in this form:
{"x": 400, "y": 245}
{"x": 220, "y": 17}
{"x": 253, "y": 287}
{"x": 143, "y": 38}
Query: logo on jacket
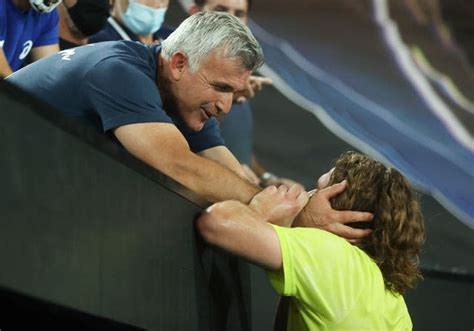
{"x": 26, "y": 49}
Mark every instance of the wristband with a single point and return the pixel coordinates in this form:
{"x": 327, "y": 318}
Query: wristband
{"x": 267, "y": 176}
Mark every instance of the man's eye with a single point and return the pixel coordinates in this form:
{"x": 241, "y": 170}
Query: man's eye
{"x": 222, "y": 88}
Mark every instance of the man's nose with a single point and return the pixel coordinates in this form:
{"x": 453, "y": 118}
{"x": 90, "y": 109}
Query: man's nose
{"x": 225, "y": 102}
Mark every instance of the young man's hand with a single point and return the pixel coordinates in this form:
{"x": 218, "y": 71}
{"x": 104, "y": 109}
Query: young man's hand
{"x": 279, "y": 205}
{"x": 318, "y": 213}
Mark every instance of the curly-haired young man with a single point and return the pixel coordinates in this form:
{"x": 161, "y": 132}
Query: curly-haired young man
{"x": 330, "y": 283}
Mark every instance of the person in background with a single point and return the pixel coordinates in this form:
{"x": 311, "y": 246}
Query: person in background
{"x": 137, "y": 20}
{"x": 27, "y": 28}
{"x": 237, "y": 126}
{"x": 329, "y": 283}
{"x": 80, "y": 19}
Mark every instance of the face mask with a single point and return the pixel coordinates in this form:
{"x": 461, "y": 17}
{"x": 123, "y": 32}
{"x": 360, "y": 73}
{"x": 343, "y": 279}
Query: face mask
{"x": 143, "y": 20}
{"x": 44, "y": 6}
{"x": 89, "y": 16}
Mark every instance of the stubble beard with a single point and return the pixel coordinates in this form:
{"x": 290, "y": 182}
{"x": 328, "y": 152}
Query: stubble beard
{"x": 170, "y": 103}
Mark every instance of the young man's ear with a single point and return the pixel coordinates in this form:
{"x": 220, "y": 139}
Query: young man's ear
{"x": 178, "y": 65}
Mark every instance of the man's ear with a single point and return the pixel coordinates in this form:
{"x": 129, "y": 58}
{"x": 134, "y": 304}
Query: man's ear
{"x": 178, "y": 65}
{"x": 193, "y": 9}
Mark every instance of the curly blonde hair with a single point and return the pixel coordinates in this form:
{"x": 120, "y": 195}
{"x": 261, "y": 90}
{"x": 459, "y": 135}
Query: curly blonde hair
{"x": 397, "y": 228}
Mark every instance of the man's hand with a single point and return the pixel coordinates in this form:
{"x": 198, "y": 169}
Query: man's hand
{"x": 319, "y": 213}
{"x": 277, "y": 181}
{"x": 253, "y": 85}
{"x": 279, "y": 205}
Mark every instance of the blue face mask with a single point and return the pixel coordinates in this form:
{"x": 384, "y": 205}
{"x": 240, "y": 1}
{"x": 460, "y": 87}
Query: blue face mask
{"x": 143, "y": 20}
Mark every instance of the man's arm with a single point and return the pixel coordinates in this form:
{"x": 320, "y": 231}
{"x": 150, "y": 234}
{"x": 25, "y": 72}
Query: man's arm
{"x": 222, "y": 155}
{"x": 5, "y": 69}
{"x": 163, "y": 147}
{"x": 42, "y": 51}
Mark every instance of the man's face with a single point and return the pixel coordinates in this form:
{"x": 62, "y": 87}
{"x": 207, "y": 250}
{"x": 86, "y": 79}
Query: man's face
{"x": 237, "y": 8}
{"x": 198, "y": 96}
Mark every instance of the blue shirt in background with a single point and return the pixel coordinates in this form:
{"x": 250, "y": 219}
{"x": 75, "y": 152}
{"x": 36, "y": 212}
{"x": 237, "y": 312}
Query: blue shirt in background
{"x": 110, "y": 84}
{"x": 21, "y": 31}
{"x": 237, "y": 131}
{"x": 113, "y": 30}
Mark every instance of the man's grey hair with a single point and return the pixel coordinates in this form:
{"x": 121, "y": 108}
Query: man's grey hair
{"x": 204, "y": 32}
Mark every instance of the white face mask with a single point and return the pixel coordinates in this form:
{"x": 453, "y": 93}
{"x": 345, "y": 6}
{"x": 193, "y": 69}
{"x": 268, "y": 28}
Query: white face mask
{"x": 44, "y": 6}
{"x": 143, "y": 20}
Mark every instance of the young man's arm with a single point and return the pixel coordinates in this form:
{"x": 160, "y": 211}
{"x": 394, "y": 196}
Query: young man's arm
{"x": 243, "y": 230}
{"x": 234, "y": 227}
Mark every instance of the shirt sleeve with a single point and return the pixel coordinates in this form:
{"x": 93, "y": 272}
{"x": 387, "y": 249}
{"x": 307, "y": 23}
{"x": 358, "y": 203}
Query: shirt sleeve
{"x": 208, "y": 137}
{"x": 49, "y": 34}
{"x": 320, "y": 270}
{"x": 122, "y": 94}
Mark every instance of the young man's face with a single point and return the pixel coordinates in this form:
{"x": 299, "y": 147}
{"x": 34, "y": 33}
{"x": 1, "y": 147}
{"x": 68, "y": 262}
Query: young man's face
{"x": 209, "y": 91}
{"x": 237, "y": 8}
{"x": 323, "y": 181}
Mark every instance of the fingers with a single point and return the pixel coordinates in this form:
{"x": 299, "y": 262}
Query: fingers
{"x": 254, "y": 84}
{"x": 260, "y": 81}
{"x": 302, "y": 198}
{"x": 295, "y": 189}
{"x": 283, "y": 189}
{"x": 288, "y": 182}
{"x": 295, "y": 193}
{"x": 241, "y": 99}
{"x": 271, "y": 189}
{"x": 347, "y": 216}
{"x": 265, "y": 81}
{"x": 249, "y": 90}
{"x": 350, "y": 233}
{"x": 333, "y": 190}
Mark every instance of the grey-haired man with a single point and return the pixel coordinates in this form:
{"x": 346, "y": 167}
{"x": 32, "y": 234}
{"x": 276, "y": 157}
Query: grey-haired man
{"x": 161, "y": 101}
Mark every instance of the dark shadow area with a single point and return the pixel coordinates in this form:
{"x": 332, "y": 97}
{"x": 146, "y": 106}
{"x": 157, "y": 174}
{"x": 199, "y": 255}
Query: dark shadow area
{"x": 88, "y": 228}
{"x": 20, "y": 312}
{"x": 458, "y": 15}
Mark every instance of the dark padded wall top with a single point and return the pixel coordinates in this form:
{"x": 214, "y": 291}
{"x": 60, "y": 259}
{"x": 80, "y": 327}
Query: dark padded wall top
{"x": 87, "y": 226}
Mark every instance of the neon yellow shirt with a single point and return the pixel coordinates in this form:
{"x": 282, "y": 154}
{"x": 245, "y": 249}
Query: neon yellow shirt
{"x": 334, "y": 285}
